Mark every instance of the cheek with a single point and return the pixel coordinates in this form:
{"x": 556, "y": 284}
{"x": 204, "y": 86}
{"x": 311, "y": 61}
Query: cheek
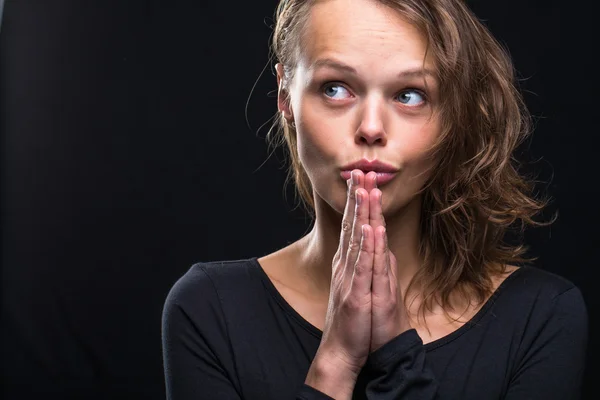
{"x": 318, "y": 139}
{"x": 316, "y": 154}
{"x": 418, "y": 137}
{"x": 419, "y": 162}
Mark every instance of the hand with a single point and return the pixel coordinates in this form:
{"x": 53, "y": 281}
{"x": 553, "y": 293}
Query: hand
{"x": 347, "y": 333}
{"x": 363, "y": 312}
{"x": 389, "y": 317}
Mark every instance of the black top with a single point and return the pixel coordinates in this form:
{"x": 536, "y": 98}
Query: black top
{"x": 229, "y": 334}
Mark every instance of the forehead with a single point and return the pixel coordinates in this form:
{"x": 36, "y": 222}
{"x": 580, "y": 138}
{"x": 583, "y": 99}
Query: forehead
{"x": 363, "y": 33}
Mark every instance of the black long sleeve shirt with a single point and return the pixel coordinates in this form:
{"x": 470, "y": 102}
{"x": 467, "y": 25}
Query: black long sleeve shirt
{"x": 229, "y": 334}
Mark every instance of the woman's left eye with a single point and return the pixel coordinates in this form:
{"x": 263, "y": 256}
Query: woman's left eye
{"x": 411, "y": 97}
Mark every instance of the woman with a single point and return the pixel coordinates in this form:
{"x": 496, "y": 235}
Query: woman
{"x": 401, "y": 117}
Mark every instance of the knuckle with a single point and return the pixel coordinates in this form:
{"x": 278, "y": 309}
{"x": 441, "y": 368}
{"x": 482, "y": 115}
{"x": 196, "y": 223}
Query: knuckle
{"x": 379, "y": 272}
{"x": 346, "y": 225}
{"x": 364, "y": 244}
{"x": 384, "y": 299}
{"x": 353, "y": 245}
{"x": 380, "y": 219}
{"x": 351, "y": 192}
{"x": 338, "y": 254}
{"x": 360, "y": 269}
{"x": 379, "y": 301}
{"x": 352, "y": 303}
{"x": 357, "y": 210}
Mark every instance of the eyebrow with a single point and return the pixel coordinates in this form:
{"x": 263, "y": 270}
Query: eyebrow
{"x": 331, "y": 63}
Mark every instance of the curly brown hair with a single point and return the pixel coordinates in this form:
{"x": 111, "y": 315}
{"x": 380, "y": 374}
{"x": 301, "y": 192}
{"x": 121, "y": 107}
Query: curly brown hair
{"x": 475, "y": 192}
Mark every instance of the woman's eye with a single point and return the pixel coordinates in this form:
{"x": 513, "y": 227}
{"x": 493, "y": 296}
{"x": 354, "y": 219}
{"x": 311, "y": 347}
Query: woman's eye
{"x": 411, "y": 97}
{"x": 335, "y": 90}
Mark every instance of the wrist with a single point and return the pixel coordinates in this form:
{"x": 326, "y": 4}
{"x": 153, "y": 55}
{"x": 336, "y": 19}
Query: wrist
{"x": 331, "y": 376}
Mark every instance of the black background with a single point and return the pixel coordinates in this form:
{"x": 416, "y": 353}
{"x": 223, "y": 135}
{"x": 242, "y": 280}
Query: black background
{"x": 133, "y": 146}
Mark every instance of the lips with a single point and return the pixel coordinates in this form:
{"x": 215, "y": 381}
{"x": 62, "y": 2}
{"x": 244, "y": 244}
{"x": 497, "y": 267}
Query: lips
{"x": 366, "y": 166}
{"x": 385, "y": 172}
{"x": 382, "y": 177}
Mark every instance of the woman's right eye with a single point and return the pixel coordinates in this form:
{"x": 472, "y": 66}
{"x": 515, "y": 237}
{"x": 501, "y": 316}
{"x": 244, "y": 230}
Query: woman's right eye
{"x": 333, "y": 90}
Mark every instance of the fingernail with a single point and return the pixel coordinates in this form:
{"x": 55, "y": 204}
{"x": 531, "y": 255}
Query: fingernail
{"x": 358, "y": 197}
{"x": 354, "y": 177}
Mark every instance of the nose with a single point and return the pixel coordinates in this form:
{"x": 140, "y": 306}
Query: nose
{"x": 371, "y": 128}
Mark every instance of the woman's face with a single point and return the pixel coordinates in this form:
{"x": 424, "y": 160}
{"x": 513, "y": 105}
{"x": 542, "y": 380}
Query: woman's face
{"x": 358, "y": 93}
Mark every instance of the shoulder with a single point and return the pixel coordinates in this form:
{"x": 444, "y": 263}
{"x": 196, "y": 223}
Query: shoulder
{"x": 534, "y": 282}
{"x": 205, "y": 282}
{"x": 543, "y": 318}
{"x": 199, "y": 315}
{"x": 540, "y": 295}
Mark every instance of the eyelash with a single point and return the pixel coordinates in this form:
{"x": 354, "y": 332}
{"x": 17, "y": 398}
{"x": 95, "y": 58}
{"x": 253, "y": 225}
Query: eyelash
{"x": 421, "y": 92}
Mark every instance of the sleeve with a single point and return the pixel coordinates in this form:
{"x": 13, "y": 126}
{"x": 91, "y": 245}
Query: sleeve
{"x": 310, "y": 393}
{"x": 397, "y": 370}
{"x": 553, "y": 365}
{"x": 195, "y": 341}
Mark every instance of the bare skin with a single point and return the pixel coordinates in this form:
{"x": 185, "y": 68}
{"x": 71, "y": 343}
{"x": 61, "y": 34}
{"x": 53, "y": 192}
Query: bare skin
{"x": 306, "y": 297}
{"x": 365, "y": 307}
{"x": 343, "y": 116}
{"x": 312, "y": 306}
{"x": 360, "y": 93}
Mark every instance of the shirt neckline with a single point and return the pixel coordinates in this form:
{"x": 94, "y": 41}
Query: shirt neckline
{"x": 428, "y": 346}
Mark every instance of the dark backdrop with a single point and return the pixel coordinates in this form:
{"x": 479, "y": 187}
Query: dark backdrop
{"x": 127, "y": 156}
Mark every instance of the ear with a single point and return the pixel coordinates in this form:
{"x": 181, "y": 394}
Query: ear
{"x": 283, "y": 94}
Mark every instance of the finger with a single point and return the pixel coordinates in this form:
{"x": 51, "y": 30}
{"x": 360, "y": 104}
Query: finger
{"x": 392, "y": 270}
{"x": 393, "y": 262}
{"x": 381, "y": 277}
{"x": 370, "y": 181}
{"x": 361, "y": 217}
{"x": 363, "y": 268}
{"x": 348, "y": 220}
{"x": 375, "y": 209}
